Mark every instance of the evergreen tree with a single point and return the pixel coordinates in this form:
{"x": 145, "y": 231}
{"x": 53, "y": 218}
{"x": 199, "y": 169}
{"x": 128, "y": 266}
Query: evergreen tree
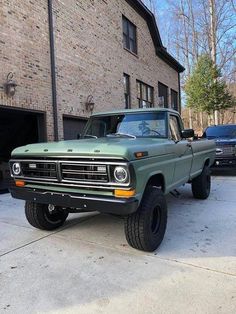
{"x": 205, "y": 90}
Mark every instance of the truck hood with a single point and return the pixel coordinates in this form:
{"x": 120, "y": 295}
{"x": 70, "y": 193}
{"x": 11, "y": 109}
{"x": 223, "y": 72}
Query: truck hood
{"x": 225, "y": 140}
{"x": 101, "y": 147}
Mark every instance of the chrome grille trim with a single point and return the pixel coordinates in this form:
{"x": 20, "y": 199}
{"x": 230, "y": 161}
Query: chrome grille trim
{"x": 227, "y": 150}
{"x": 47, "y": 171}
{"x": 60, "y": 180}
{"x": 83, "y": 172}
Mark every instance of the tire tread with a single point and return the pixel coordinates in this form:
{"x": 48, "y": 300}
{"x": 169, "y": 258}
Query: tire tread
{"x": 199, "y": 188}
{"x": 34, "y": 213}
{"x": 134, "y": 223}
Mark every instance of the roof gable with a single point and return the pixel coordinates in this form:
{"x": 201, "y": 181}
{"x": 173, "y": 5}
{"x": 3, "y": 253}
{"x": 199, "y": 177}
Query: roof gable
{"x": 152, "y": 25}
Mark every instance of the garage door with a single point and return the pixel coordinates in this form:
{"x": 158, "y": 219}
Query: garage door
{"x": 72, "y": 127}
{"x": 17, "y": 128}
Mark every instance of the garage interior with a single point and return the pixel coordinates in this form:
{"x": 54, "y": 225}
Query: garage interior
{"x": 18, "y": 128}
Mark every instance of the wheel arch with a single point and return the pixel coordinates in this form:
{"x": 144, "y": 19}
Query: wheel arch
{"x": 157, "y": 180}
{"x": 207, "y": 162}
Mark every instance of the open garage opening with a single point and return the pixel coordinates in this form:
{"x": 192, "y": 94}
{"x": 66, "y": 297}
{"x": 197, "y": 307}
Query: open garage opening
{"x": 18, "y": 128}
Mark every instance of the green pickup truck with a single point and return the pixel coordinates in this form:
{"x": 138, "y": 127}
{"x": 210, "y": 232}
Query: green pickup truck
{"x": 124, "y": 164}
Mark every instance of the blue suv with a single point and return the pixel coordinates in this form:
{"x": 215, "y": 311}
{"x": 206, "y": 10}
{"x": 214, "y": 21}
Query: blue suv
{"x": 225, "y": 138}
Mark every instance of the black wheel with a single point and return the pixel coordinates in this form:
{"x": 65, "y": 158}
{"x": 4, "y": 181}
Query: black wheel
{"x": 201, "y": 185}
{"x": 39, "y": 216}
{"x": 145, "y": 228}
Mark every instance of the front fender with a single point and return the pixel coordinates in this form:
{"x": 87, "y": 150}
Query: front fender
{"x": 146, "y": 168}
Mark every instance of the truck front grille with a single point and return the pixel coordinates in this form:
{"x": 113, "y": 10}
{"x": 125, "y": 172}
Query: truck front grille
{"x": 84, "y": 172}
{"x": 39, "y": 170}
{"x": 225, "y": 150}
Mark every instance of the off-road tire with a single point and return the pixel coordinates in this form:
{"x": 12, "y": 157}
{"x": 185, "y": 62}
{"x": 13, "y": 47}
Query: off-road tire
{"x": 39, "y": 216}
{"x": 201, "y": 185}
{"x": 145, "y": 228}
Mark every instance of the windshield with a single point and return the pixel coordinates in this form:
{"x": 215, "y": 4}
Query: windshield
{"x": 221, "y": 131}
{"x": 151, "y": 124}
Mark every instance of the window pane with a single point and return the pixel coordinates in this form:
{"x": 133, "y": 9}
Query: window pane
{"x": 150, "y": 94}
{"x": 174, "y": 100}
{"x": 174, "y": 129}
{"x": 145, "y": 95}
{"x": 129, "y": 35}
{"x": 138, "y": 90}
{"x": 127, "y": 101}
{"x": 125, "y": 41}
{"x": 141, "y": 125}
{"x": 132, "y": 46}
{"x": 144, "y": 125}
{"x": 125, "y": 26}
{"x": 125, "y": 81}
{"x": 132, "y": 32}
{"x": 144, "y": 92}
{"x": 163, "y": 92}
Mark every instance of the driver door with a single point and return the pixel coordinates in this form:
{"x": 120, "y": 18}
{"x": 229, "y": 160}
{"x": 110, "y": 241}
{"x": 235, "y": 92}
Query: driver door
{"x": 182, "y": 151}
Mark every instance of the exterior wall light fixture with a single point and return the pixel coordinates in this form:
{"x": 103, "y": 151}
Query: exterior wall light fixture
{"x": 10, "y": 85}
{"x": 89, "y": 104}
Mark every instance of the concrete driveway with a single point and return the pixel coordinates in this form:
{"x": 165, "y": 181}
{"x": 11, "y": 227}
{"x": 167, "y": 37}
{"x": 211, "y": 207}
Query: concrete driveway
{"x": 87, "y": 267}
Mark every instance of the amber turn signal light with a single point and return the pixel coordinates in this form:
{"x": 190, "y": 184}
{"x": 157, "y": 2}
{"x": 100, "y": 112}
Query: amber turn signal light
{"x": 124, "y": 193}
{"x": 20, "y": 183}
{"x": 141, "y": 154}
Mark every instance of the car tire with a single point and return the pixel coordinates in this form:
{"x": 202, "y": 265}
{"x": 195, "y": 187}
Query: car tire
{"x": 145, "y": 228}
{"x": 38, "y": 216}
{"x": 201, "y": 185}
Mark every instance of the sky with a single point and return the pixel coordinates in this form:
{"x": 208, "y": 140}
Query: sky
{"x": 163, "y": 17}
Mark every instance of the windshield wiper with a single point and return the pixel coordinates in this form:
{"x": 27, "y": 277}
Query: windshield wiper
{"x": 121, "y": 135}
{"x": 91, "y": 136}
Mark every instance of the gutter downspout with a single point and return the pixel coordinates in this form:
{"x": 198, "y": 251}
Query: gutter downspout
{"x": 53, "y": 70}
{"x": 180, "y": 108}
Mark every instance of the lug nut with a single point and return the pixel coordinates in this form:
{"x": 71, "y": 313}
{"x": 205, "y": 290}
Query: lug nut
{"x": 51, "y": 208}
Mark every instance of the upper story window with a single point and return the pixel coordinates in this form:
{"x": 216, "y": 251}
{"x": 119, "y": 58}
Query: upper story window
{"x": 129, "y": 35}
{"x": 174, "y": 100}
{"x": 127, "y": 91}
{"x": 145, "y": 95}
{"x": 163, "y": 95}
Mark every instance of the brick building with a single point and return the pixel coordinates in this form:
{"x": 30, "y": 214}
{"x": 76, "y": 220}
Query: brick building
{"x": 66, "y": 55}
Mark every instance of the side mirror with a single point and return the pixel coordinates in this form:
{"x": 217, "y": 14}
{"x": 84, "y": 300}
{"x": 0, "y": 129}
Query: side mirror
{"x": 188, "y": 133}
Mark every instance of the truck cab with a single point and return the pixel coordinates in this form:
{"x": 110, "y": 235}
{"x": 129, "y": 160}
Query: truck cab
{"x": 124, "y": 163}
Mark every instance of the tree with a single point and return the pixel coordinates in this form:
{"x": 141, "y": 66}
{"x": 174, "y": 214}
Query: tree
{"x": 191, "y": 28}
{"x": 205, "y": 89}
{"x": 210, "y": 27}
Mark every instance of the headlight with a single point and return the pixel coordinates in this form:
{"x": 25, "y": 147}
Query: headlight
{"x": 16, "y": 169}
{"x": 121, "y": 174}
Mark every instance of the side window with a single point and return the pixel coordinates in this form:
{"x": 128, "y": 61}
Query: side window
{"x": 127, "y": 91}
{"x": 129, "y": 35}
{"x": 145, "y": 94}
{"x": 175, "y": 129}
